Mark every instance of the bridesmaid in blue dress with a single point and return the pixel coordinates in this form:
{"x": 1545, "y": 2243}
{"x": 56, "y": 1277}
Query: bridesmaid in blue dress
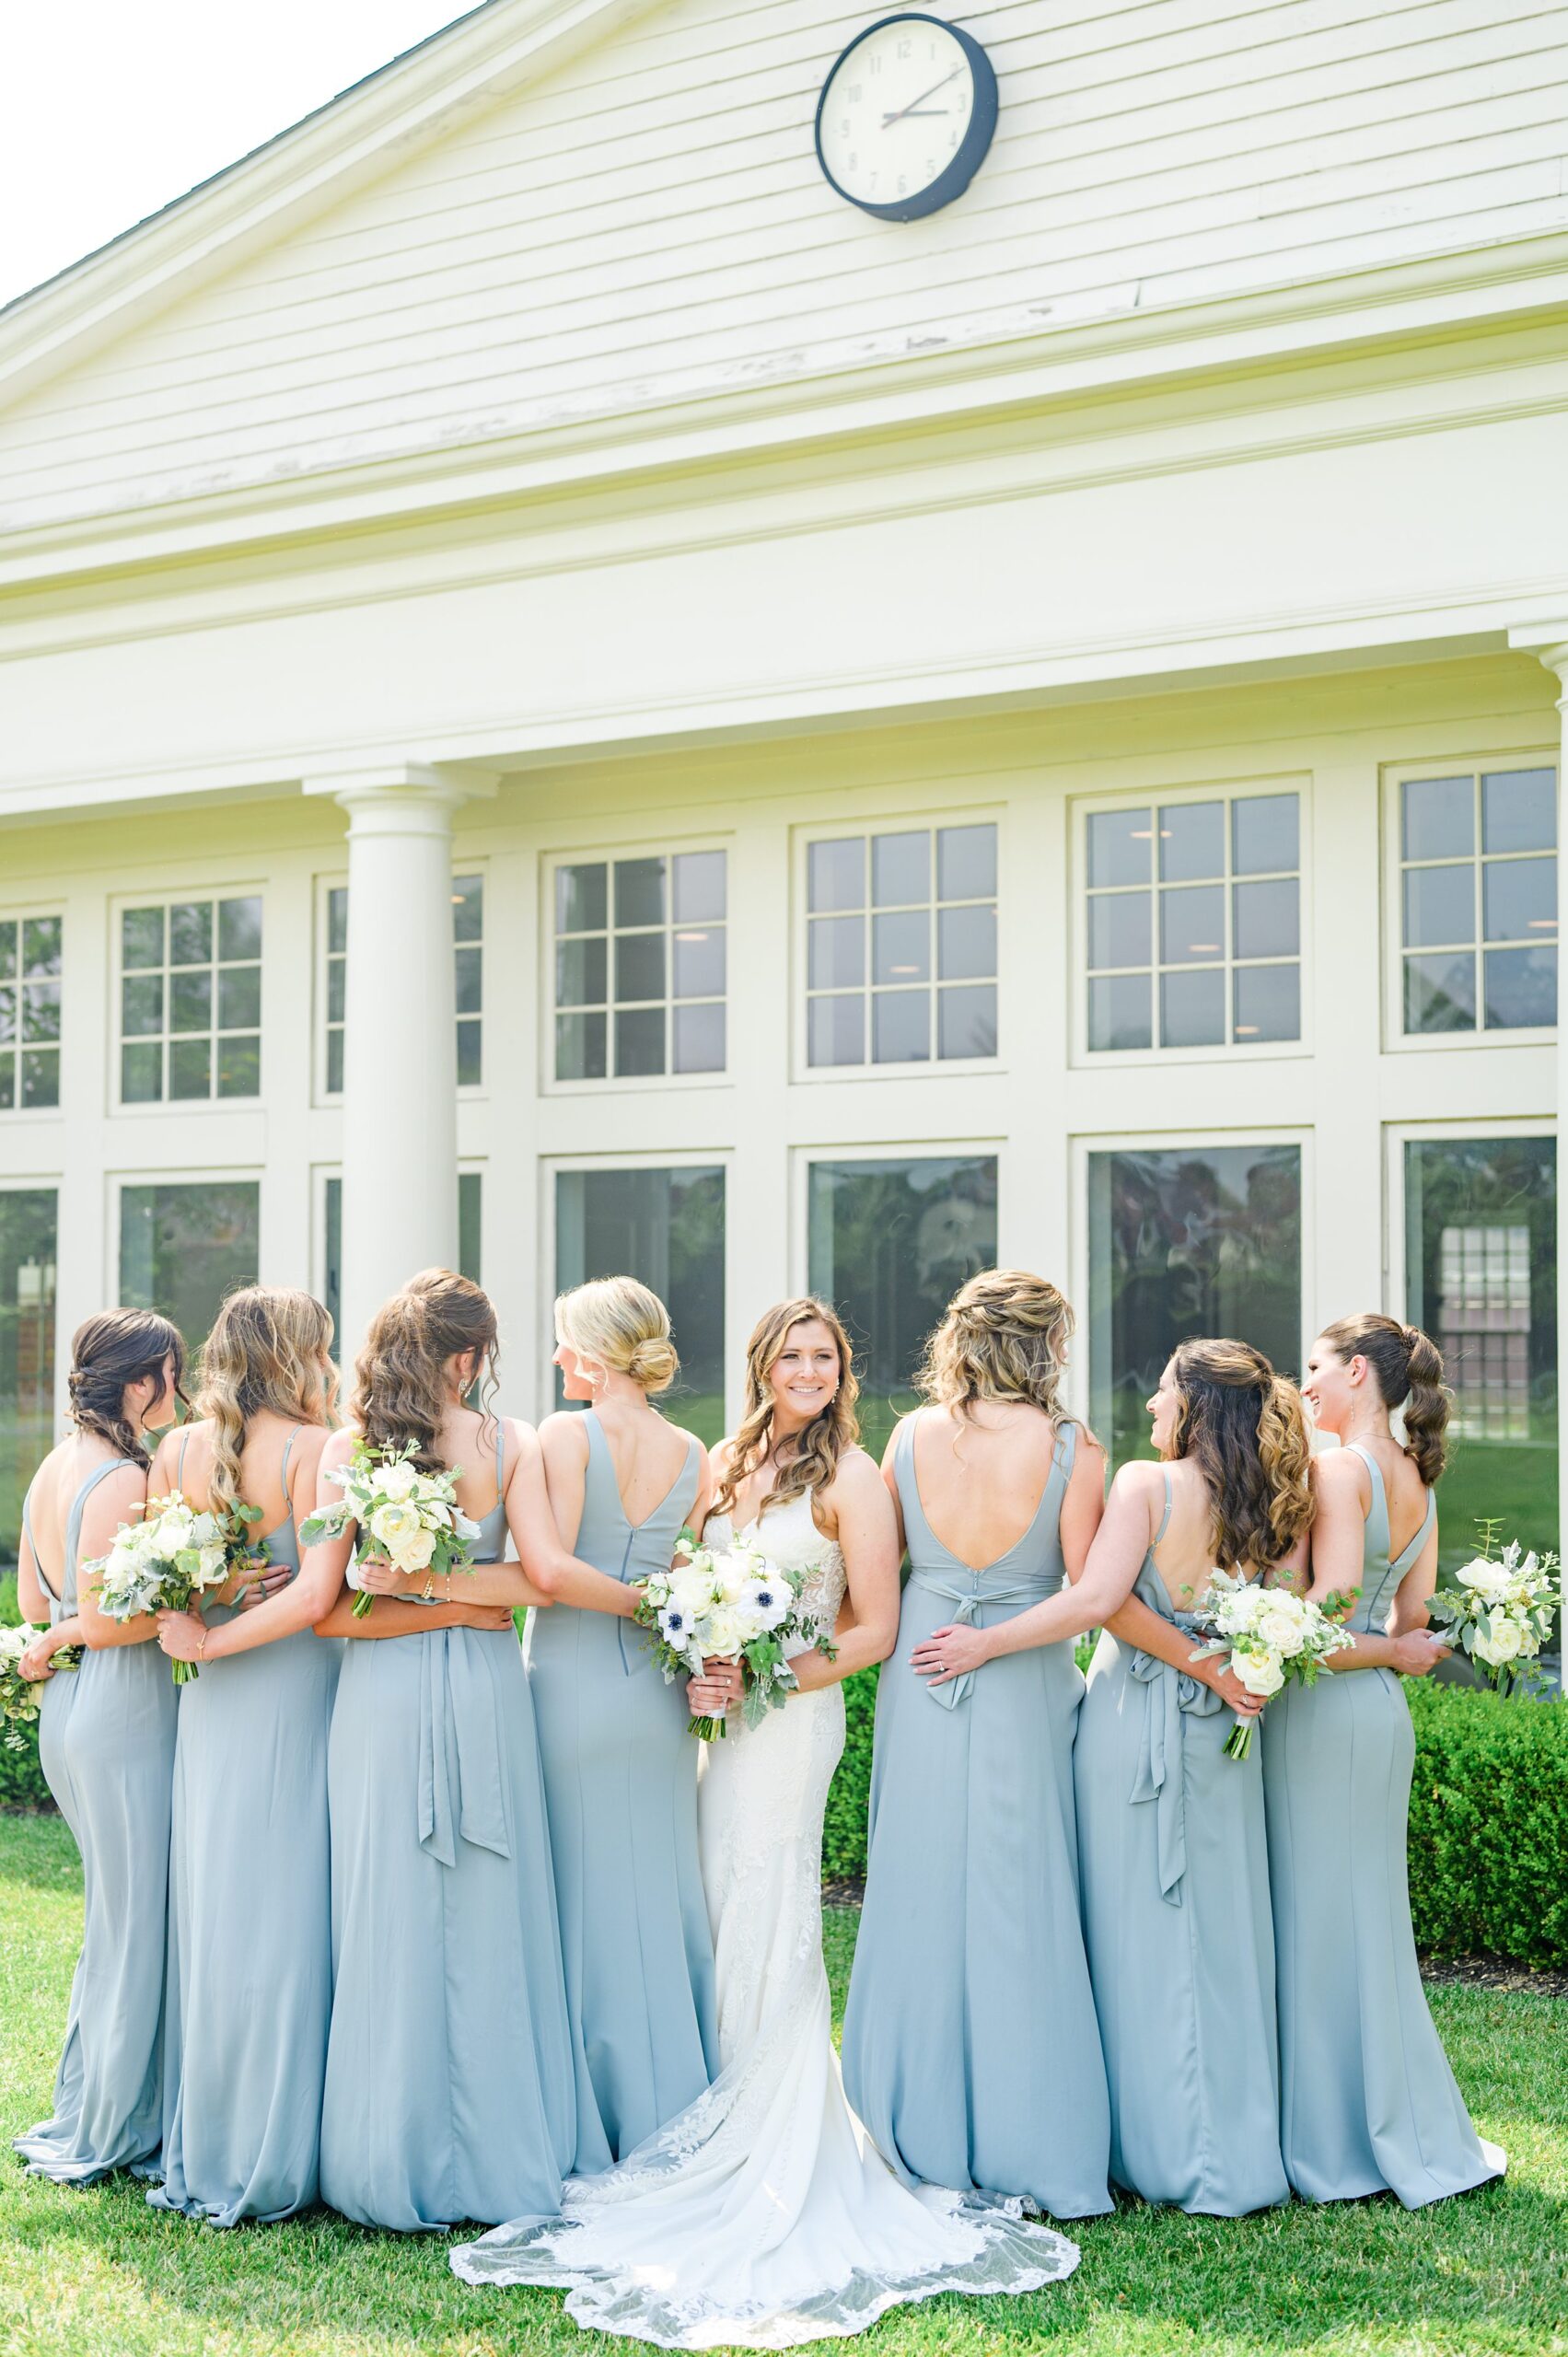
{"x": 1369, "y": 2102}
{"x": 106, "y": 1741}
{"x": 249, "y": 1932}
{"x": 450, "y": 2085}
{"x": 971, "y": 2050}
{"x": 620, "y": 1769}
{"x": 1170, "y": 1831}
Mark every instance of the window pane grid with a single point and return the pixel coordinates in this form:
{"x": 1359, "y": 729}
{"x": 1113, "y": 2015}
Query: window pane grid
{"x": 191, "y": 1000}
{"x": 900, "y": 949}
{"x": 1478, "y": 901}
{"x": 30, "y": 1013}
{"x": 1193, "y": 924}
{"x": 468, "y": 951}
{"x": 640, "y": 981}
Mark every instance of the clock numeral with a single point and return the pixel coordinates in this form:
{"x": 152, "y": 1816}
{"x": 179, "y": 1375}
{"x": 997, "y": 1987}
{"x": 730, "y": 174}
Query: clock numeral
{"x": 854, "y": 93}
{"x": 874, "y": 65}
{"x": 906, "y": 49}
{"x": 954, "y": 140}
{"x": 853, "y": 161}
{"x": 843, "y": 124}
{"x": 931, "y": 164}
{"x": 903, "y": 185}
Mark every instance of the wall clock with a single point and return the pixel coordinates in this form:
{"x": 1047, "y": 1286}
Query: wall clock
{"x": 906, "y": 116}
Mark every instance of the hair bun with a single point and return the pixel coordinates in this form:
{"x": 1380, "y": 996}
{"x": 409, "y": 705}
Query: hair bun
{"x": 653, "y": 1362}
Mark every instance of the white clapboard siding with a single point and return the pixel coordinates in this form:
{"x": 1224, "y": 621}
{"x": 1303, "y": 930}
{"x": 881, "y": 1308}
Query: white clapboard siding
{"x": 650, "y": 221}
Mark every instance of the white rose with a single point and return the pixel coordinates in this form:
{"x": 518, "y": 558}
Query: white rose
{"x": 723, "y": 1634}
{"x": 1259, "y": 1673}
{"x": 212, "y": 1567}
{"x": 393, "y": 1525}
{"x": 1281, "y": 1627}
{"x": 465, "y": 1528}
{"x": 1502, "y": 1643}
{"x": 1483, "y": 1578}
{"x": 412, "y": 1554}
{"x": 396, "y": 1482}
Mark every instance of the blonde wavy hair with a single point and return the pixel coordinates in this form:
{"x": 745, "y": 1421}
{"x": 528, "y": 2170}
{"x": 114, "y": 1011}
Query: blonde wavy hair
{"x": 620, "y": 1323}
{"x": 399, "y": 1376}
{"x": 1245, "y": 1428}
{"x": 818, "y": 1450}
{"x": 1005, "y": 1336}
{"x": 270, "y": 1350}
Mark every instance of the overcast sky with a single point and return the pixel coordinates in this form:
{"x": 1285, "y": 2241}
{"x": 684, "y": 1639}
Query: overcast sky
{"x": 110, "y": 108}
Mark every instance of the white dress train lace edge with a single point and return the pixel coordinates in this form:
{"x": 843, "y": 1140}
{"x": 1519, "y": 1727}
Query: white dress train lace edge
{"x": 761, "y": 2217}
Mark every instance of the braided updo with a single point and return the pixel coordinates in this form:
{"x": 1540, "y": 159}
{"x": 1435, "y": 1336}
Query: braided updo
{"x": 110, "y": 1353}
{"x": 1005, "y": 1337}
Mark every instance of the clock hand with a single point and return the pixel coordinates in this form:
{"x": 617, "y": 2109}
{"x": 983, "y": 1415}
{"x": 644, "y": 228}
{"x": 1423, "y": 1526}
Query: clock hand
{"x": 941, "y": 85}
{"x": 910, "y": 112}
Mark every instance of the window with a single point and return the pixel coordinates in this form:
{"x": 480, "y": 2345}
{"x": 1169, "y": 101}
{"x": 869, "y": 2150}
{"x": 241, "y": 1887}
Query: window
{"x": 469, "y": 1211}
{"x": 468, "y": 950}
{"x": 1480, "y": 1277}
{"x": 889, "y": 1243}
{"x": 1203, "y": 1240}
{"x": 1193, "y": 923}
{"x": 28, "y": 1240}
{"x": 1478, "y": 901}
{"x": 191, "y": 1000}
{"x": 30, "y": 1013}
{"x": 640, "y": 966}
{"x": 666, "y": 1225}
{"x": 183, "y": 1247}
{"x": 900, "y": 947}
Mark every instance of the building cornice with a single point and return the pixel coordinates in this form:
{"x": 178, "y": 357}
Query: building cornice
{"x": 818, "y": 403}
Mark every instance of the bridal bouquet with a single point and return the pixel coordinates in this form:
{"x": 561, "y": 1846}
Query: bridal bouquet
{"x": 21, "y": 1698}
{"x": 727, "y": 1604}
{"x": 411, "y": 1518}
{"x": 169, "y": 1560}
{"x": 1271, "y": 1634}
{"x": 1501, "y": 1612}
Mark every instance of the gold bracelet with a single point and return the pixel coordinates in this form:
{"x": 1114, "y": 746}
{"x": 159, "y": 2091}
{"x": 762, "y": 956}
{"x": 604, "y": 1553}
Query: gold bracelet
{"x": 201, "y": 1646}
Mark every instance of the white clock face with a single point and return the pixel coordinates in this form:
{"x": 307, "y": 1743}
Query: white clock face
{"x": 896, "y": 110}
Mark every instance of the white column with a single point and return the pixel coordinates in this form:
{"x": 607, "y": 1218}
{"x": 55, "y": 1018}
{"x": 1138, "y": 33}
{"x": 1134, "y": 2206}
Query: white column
{"x": 400, "y": 1132}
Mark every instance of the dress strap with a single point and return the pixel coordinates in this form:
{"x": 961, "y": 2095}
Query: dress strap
{"x": 32, "y": 1543}
{"x": 1164, "y": 1517}
{"x": 294, "y": 1431}
{"x": 500, "y": 1460}
{"x": 180, "y": 1461}
{"x": 1413, "y": 1547}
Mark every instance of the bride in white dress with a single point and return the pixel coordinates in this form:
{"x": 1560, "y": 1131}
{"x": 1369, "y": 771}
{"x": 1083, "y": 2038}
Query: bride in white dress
{"x": 761, "y": 2217}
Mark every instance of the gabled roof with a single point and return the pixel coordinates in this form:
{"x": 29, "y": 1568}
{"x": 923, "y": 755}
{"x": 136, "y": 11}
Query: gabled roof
{"x": 464, "y": 69}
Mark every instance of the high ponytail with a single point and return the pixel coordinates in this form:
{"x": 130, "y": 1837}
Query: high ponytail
{"x": 110, "y": 1353}
{"x": 1407, "y": 1366}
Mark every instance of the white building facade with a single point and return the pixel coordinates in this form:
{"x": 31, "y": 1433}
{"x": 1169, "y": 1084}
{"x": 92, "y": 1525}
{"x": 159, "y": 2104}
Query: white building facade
{"x": 570, "y": 699}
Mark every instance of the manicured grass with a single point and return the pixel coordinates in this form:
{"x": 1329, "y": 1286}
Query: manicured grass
{"x": 95, "y": 2273}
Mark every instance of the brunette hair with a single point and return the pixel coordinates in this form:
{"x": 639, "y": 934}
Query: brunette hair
{"x": 1407, "y": 1367}
{"x": 270, "y": 1349}
{"x": 620, "y": 1323}
{"x": 1245, "y": 1429}
{"x": 1005, "y": 1336}
{"x": 817, "y": 1449}
{"x": 400, "y": 1383}
{"x": 117, "y": 1348}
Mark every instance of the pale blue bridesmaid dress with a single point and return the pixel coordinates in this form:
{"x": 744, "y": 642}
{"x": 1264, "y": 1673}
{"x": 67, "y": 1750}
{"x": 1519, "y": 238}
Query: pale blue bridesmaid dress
{"x": 1368, "y": 2103}
{"x": 106, "y": 1742}
{"x": 1176, "y": 1917}
{"x": 449, "y": 2091}
{"x": 620, "y": 1781}
{"x": 249, "y": 1930}
{"x": 971, "y": 2049}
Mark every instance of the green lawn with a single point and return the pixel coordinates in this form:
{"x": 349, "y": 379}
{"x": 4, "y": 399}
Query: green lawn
{"x": 98, "y": 2274}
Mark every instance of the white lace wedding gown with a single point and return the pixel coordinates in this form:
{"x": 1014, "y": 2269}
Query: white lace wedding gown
{"x": 762, "y": 2216}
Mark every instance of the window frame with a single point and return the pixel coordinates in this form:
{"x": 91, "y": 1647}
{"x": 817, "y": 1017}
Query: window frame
{"x": 1392, "y": 777}
{"x": 901, "y": 822}
{"x": 17, "y": 912}
{"x": 583, "y": 854}
{"x": 551, "y": 1166}
{"x": 1081, "y": 808}
{"x": 245, "y": 1173}
{"x": 1081, "y": 1143}
{"x": 330, "y": 881}
{"x": 136, "y": 1108}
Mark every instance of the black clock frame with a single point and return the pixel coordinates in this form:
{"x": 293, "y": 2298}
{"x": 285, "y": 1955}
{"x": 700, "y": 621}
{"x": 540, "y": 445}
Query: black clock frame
{"x": 972, "y": 149}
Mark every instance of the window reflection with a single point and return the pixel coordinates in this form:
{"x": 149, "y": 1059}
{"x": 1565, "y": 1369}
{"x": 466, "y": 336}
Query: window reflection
{"x": 665, "y": 1226}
